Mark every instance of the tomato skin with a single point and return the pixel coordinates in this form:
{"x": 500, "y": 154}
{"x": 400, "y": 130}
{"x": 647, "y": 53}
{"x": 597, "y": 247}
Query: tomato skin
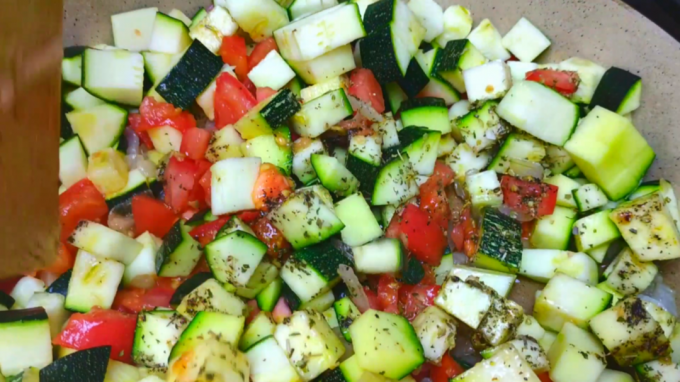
{"x": 425, "y": 239}
{"x": 263, "y": 94}
{"x": 232, "y": 100}
{"x": 415, "y": 298}
{"x": 261, "y": 51}
{"x": 152, "y": 215}
{"x": 433, "y": 199}
{"x": 205, "y": 233}
{"x": 365, "y": 87}
{"x": 235, "y": 53}
{"x": 271, "y": 187}
{"x": 82, "y": 201}
{"x": 153, "y": 113}
{"x": 544, "y": 377}
{"x": 373, "y": 302}
{"x": 195, "y": 143}
{"x": 100, "y": 327}
{"x": 529, "y": 197}
{"x": 206, "y": 184}
{"x": 464, "y": 233}
{"x": 564, "y": 82}
{"x": 135, "y": 300}
{"x": 277, "y": 245}
{"x": 388, "y": 294}
{"x": 179, "y": 178}
{"x": 448, "y": 369}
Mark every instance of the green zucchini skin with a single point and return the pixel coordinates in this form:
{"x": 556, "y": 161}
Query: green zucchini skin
{"x": 614, "y": 88}
{"x": 59, "y": 286}
{"x": 193, "y": 73}
{"x": 324, "y": 257}
{"x": 291, "y": 299}
{"x": 447, "y": 58}
{"x": 415, "y": 79}
{"x": 279, "y": 110}
{"x": 379, "y": 15}
{"x": 422, "y": 102}
{"x": 377, "y": 54}
{"x": 414, "y": 272}
{"x": 82, "y": 366}
{"x": 188, "y": 286}
{"x": 500, "y": 244}
{"x": 366, "y": 173}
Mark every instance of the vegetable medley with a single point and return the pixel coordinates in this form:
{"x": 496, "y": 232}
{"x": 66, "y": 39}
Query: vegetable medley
{"x": 346, "y": 191}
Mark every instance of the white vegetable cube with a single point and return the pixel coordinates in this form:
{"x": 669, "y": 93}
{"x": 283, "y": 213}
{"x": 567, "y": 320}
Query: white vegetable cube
{"x": 210, "y": 31}
{"x": 430, "y": 15}
{"x": 590, "y": 74}
{"x": 24, "y": 290}
{"x": 457, "y": 24}
{"x": 94, "y": 282}
{"x": 485, "y": 189}
{"x": 436, "y": 331}
{"x": 489, "y": 81}
{"x": 272, "y": 72}
{"x": 132, "y": 30}
{"x": 166, "y": 139}
{"x": 463, "y": 159}
{"x": 628, "y": 275}
{"x": 489, "y": 41}
{"x": 233, "y": 181}
{"x": 501, "y": 320}
{"x": 568, "y": 300}
{"x": 459, "y": 109}
{"x": 309, "y": 343}
{"x": 519, "y": 69}
{"x": 525, "y": 41}
{"x": 576, "y": 356}
{"x": 464, "y": 300}
{"x": 530, "y": 327}
{"x": 259, "y": 18}
{"x": 506, "y": 364}
{"x": 268, "y": 363}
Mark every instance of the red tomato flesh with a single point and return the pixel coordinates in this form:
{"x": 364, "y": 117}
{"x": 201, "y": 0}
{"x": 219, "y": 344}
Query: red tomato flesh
{"x": 529, "y": 197}
{"x": 448, "y": 369}
{"x": 235, "y": 53}
{"x": 424, "y": 238}
{"x": 82, "y": 201}
{"x": 433, "y": 199}
{"x": 277, "y": 245}
{"x": 271, "y": 187}
{"x": 195, "y": 143}
{"x": 232, "y": 100}
{"x": 564, "y": 82}
{"x": 100, "y": 327}
{"x": 364, "y": 86}
{"x": 388, "y": 294}
{"x": 415, "y": 298}
{"x": 152, "y": 215}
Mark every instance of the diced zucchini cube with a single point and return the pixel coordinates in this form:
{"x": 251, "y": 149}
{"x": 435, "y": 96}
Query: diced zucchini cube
{"x": 108, "y": 170}
{"x": 565, "y": 299}
{"x": 268, "y": 363}
{"x": 309, "y": 343}
{"x": 500, "y": 245}
{"x": 648, "y": 228}
{"x": 506, "y": 365}
{"x": 436, "y": 331}
{"x": 530, "y": 328}
{"x": 529, "y": 349}
{"x": 233, "y": 181}
{"x": 610, "y": 152}
{"x": 156, "y": 333}
{"x": 525, "y": 41}
{"x": 588, "y": 197}
{"x": 517, "y": 151}
{"x": 481, "y": 128}
{"x": 500, "y": 282}
{"x": 628, "y": 275}
{"x": 501, "y": 321}
{"x": 542, "y": 264}
{"x": 675, "y": 343}
{"x": 630, "y": 333}
{"x": 463, "y": 159}
{"x": 547, "y": 340}
{"x": 226, "y": 143}
{"x": 465, "y": 299}
{"x": 553, "y": 231}
{"x": 210, "y": 359}
{"x": 488, "y": 40}
{"x": 94, "y": 282}
{"x": 590, "y": 75}
{"x": 565, "y": 186}
{"x": 486, "y": 82}
{"x": 609, "y": 375}
{"x": 658, "y": 371}
{"x": 234, "y": 257}
{"x": 484, "y": 189}
{"x": 211, "y": 296}
{"x": 386, "y": 344}
{"x": 595, "y": 230}
{"x": 457, "y": 24}
{"x": 258, "y": 18}
{"x": 261, "y": 327}
{"x": 576, "y": 355}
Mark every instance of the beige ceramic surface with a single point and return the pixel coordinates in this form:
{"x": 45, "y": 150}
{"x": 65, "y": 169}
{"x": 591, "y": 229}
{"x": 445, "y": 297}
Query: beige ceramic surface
{"x": 605, "y": 31}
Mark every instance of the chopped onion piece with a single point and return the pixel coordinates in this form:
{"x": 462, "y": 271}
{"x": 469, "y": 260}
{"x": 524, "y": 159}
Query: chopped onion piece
{"x": 505, "y": 210}
{"x": 356, "y": 290}
{"x": 523, "y": 168}
{"x": 661, "y": 294}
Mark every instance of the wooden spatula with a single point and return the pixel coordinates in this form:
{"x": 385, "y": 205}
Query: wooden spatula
{"x": 30, "y": 80}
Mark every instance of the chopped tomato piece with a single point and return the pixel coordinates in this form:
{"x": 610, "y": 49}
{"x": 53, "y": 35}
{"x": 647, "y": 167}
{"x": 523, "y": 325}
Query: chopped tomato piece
{"x": 388, "y": 294}
{"x": 250, "y": 86}
{"x": 134, "y": 300}
{"x": 424, "y": 238}
{"x": 100, "y": 327}
{"x": 281, "y": 311}
{"x": 253, "y": 310}
{"x": 232, "y": 100}
{"x": 195, "y": 143}
{"x": 152, "y": 215}
{"x": 413, "y": 299}
{"x": 179, "y": 182}
{"x": 82, "y": 201}
{"x": 261, "y": 50}
{"x": 527, "y": 229}
{"x": 205, "y": 233}
{"x": 448, "y": 369}
{"x": 422, "y": 372}
{"x": 153, "y": 113}
{"x": 271, "y": 187}
{"x": 529, "y": 197}
{"x": 372, "y": 297}
{"x": 64, "y": 261}
{"x": 235, "y": 53}
{"x": 564, "y": 82}
{"x": 433, "y": 198}
{"x": 250, "y": 216}
{"x": 263, "y": 94}
{"x": 277, "y": 245}
{"x": 464, "y": 233}
{"x": 364, "y": 86}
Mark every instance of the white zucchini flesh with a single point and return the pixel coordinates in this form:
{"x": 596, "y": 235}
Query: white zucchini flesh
{"x": 133, "y": 30}
{"x": 488, "y": 40}
{"x": 525, "y": 41}
{"x": 430, "y": 15}
{"x": 486, "y": 82}
{"x": 233, "y": 181}
{"x": 457, "y": 24}
{"x": 259, "y": 18}
{"x": 272, "y": 72}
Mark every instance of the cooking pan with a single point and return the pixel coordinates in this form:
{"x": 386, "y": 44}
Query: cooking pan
{"x": 605, "y": 31}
